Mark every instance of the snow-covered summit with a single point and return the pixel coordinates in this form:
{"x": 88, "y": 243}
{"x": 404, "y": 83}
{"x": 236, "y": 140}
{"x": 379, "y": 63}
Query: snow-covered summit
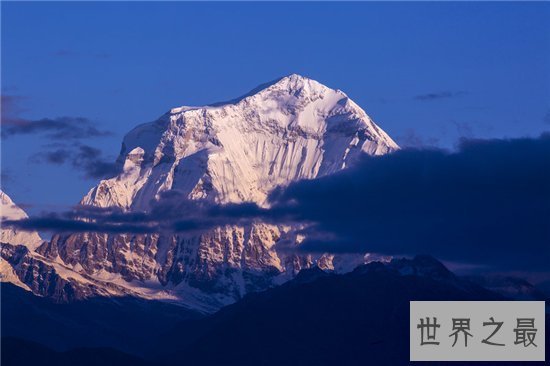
{"x": 293, "y": 128}
{"x": 10, "y": 211}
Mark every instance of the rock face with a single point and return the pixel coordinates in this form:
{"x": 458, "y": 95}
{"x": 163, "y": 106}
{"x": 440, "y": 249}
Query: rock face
{"x": 40, "y": 277}
{"x": 291, "y": 129}
{"x": 22, "y": 265}
{"x": 15, "y": 248}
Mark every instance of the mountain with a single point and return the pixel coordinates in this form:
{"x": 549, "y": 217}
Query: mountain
{"x": 290, "y": 129}
{"x": 357, "y": 318}
{"x": 10, "y": 211}
{"x": 510, "y": 286}
{"x": 23, "y": 265}
{"x": 124, "y": 323}
{"x": 294, "y": 128}
{"x": 10, "y": 238}
{"x": 317, "y": 318}
{"x": 18, "y": 352}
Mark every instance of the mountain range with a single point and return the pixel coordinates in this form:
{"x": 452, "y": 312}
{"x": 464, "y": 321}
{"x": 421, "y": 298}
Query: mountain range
{"x": 232, "y": 294}
{"x": 317, "y": 318}
{"x": 235, "y": 152}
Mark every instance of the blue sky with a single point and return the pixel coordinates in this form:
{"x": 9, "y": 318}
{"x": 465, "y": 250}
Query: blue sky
{"x": 428, "y": 73}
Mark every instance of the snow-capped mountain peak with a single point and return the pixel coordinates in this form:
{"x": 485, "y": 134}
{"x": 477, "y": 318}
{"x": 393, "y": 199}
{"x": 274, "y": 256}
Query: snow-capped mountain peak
{"x": 10, "y": 211}
{"x": 238, "y": 151}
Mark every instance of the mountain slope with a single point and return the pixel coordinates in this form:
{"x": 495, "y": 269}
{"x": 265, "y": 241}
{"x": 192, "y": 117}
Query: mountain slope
{"x": 294, "y": 128}
{"x": 18, "y": 352}
{"x": 124, "y": 323}
{"x": 10, "y": 238}
{"x": 318, "y": 319}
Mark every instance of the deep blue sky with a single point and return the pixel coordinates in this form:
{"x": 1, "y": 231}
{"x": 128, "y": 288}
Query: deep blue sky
{"x": 121, "y": 64}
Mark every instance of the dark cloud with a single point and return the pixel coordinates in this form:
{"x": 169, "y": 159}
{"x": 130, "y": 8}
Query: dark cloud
{"x": 171, "y": 213}
{"x": 487, "y": 203}
{"x": 84, "y": 158}
{"x": 61, "y": 128}
{"x": 91, "y": 161}
{"x": 66, "y": 134}
{"x": 70, "y": 225}
{"x": 440, "y": 95}
{"x": 59, "y": 156}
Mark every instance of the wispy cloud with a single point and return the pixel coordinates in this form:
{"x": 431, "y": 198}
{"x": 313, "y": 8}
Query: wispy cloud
{"x": 61, "y": 128}
{"x": 11, "y": 106}
{"x": 5, "y": 178}
{"x": 464, "y": 129}
{"x": 171, "y": 213}
{"x": 64, "y": 52}
{"x": 440, "y": 95}
{"x": 81, "y": 157}
{"x": 65, "y": 134}
{"x": 411, "y": 139}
